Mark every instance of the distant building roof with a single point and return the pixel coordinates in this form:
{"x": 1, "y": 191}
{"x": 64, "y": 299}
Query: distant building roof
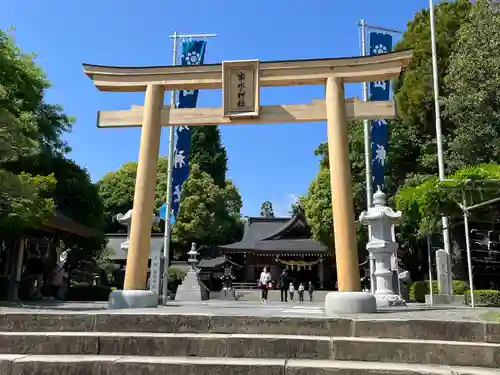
{"x": 277, "y": 235}
{"x": 63, "y": 223}
{"x": 216, "y": 262}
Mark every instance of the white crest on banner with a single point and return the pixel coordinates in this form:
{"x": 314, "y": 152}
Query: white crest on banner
{"x": 381, "y": 154}
{"x": 379, "y": 49}
{"x": 179, "y": 159}
{"x": 177, "y": 194}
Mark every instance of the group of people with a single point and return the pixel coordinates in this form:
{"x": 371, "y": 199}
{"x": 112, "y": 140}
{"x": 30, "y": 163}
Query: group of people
{"x": 285, "y": 285}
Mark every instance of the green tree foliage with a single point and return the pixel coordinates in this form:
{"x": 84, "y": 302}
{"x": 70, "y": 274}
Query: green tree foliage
{"x": 426, "y": 201}
{"x": 27, "y": 125}
{"x": 266, "y": 209}
{"x": 208, "y": 214}
{"x": 208, "y": 152}
{"x": 117, "y": 189}
{"x": 473, "y": 87}
{"x": 414, "y": 90}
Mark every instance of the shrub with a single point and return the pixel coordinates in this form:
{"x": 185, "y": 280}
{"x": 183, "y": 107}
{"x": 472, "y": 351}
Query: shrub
{"x": 87, "y": 292}
{"x": 484, "y": 297}
{"x": 419, "y": 289}
{"x": 175, "y": 277}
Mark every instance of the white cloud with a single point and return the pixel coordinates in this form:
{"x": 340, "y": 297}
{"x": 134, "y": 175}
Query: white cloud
{"x": 282, "y": 208}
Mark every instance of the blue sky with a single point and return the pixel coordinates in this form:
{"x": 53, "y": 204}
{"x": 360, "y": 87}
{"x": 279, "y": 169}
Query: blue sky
{"x": 266, "y": 162}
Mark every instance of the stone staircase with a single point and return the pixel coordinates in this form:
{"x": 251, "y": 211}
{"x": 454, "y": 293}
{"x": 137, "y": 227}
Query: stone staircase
{"x": 121, "y": 343}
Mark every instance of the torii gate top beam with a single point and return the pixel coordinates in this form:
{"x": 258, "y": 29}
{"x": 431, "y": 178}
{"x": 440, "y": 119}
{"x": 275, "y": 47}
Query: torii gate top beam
{"x": 272, "y": 73}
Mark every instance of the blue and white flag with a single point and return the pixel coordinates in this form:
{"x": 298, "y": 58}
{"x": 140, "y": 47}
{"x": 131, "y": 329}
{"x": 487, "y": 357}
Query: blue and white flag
{"x": 193, "y": 53}
{"x": 379, "y": 91}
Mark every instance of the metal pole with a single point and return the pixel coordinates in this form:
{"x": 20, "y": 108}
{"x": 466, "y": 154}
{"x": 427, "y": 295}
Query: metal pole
{"x": 439, "y": 139}
{"x": 429, "y": 259}
{"x": 467, "y": 244}
{"x": 393, "y": 238}
{"x": 168, "y": 200}
{"x": 368, "y": 156}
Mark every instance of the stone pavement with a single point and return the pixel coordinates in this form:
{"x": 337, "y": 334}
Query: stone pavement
{"x": 272, "y": 309}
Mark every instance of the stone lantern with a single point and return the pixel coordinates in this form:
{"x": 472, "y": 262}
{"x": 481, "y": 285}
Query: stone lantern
{"x": 381, "y": 247}
{"x": 126, "y": 220}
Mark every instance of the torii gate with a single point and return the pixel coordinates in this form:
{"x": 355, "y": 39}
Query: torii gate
{"x": 240, "y": 82}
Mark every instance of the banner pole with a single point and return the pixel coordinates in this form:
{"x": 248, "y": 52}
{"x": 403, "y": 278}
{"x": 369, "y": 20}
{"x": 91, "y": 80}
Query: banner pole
{"x": 368, "y": 155}
{"x": 171, "y": 154}
{"x": 168, "y": 200}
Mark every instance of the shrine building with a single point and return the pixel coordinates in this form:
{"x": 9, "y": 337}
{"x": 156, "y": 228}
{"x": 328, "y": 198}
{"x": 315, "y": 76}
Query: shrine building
{"x": 280, "y": 243}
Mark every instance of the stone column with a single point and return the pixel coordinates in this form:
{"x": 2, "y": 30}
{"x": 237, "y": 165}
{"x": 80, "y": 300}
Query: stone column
{"x": 381, "y": 247}
{"x": 340, "y": 177}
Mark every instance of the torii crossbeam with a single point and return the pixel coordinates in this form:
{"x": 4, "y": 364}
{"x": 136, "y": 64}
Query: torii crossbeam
{"x": 240, "y": 82}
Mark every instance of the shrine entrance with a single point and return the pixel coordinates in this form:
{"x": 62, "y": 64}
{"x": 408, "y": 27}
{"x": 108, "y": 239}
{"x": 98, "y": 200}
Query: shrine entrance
{"x": 240, "y": 82}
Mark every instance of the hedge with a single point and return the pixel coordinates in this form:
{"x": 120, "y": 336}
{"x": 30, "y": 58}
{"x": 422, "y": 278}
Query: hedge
{"x": 484, "y": 297}
{"x": 419, "y": 289}
{"x": 87, "y": 292}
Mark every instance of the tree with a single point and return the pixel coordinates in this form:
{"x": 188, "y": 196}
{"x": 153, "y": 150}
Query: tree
{"x": 473, "y": 86}
{"x": 266, "y": 209}
{"x": 208, "y": 153}
{"x": 208, "y": 214}
{"x": 24, "y": 130}
{"x": 117, "y": 188}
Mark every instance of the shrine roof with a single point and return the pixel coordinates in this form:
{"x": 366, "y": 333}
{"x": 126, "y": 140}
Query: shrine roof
{"x": 271, "y": 234}
{"x": 216, "y": 262}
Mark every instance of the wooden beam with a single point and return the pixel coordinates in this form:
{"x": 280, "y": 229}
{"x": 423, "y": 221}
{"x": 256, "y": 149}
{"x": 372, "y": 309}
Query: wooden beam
{"x": 272, "y": 73}
{"x": 275, "y": 114}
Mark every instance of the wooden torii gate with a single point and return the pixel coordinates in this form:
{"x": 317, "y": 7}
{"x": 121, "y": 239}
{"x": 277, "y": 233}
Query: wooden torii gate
{"x": 240, "y": 82}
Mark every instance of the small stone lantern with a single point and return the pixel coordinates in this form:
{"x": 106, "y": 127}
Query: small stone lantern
{"x": 381, "y": 247}
{"x": 193, "y": 257}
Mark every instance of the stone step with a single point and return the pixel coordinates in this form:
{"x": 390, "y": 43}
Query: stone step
{"x": 125, "y": 365}
{"x": 198, "y": 323}
{"x": 429, "y": 352}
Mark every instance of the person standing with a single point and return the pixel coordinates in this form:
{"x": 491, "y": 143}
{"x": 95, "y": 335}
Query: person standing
{"x": 284, "y": 286}
{"x": 264, "y": 283}
{"x": 310, "y": 289}
{"x": 291, "y": 290}
{"x": 301, "y": 293}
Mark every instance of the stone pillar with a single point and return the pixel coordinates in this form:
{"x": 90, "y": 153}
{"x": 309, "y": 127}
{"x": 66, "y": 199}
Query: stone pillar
{"x": 340, "y": 177}
{"x": 381, "y": 246}
{"x": 135, "y": 295}
{"x": 442, "y": 272}
{"x": 321, "y": 273}
{"x": 145, "y": 184}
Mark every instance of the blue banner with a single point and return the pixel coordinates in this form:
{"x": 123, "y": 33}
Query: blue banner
{"x": 379, "y": 91}
{"x": 193, "y": 53}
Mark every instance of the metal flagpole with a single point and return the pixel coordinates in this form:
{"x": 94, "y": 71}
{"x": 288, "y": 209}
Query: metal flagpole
{"x": 367, "y": 139}
{"x": 439, "y": 139}
{"x": 368, "y": 156}
{"x": 171, "y": 151}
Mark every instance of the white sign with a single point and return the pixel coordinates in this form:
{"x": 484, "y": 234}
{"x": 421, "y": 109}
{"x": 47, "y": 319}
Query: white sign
{"x": 155, "y": 276}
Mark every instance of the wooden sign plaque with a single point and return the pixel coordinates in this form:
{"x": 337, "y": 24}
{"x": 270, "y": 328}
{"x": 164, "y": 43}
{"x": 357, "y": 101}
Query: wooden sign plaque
{"x": 240, "y": 88}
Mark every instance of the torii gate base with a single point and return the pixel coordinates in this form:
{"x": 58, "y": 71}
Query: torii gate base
{"x": 240, "y": 82}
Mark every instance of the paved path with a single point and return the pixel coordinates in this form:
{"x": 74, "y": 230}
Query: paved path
{"x": 242, "y": 308}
